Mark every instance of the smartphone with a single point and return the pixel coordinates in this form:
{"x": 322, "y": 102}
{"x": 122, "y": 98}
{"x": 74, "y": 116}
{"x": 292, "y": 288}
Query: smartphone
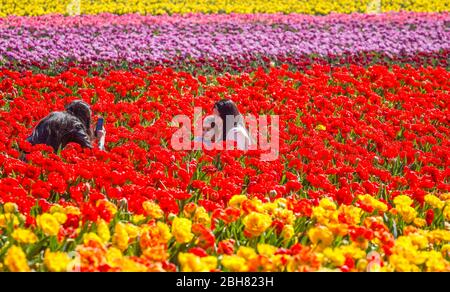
{"x": 99, "y": 126}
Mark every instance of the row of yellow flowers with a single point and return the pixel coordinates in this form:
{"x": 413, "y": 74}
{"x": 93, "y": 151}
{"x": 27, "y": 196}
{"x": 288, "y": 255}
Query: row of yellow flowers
{"x": 40, "y": 7}
{"x": 243, "y": 237}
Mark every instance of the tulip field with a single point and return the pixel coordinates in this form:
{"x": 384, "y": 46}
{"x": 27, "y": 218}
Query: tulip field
{"x": 362, "y": 179}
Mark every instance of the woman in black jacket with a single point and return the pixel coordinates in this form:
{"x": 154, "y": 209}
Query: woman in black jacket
{"x": 72, "y": 125}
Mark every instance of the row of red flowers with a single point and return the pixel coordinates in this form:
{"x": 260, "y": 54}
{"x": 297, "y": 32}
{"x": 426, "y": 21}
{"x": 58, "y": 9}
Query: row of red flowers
{"x": 344, "y": 132}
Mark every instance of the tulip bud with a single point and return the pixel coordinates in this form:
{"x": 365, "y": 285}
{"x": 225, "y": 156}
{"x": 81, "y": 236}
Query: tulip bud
{"x": 123, "y": 204}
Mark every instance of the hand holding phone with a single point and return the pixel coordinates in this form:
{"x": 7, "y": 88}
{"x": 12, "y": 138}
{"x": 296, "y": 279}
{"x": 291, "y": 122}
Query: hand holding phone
{"x": 99, "y": 126}
{"x": 100, "y": 133}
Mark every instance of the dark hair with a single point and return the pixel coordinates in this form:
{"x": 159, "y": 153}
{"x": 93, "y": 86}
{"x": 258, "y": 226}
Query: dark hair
{"x": 82, "y": 111}
{"x": 226, "y": 107}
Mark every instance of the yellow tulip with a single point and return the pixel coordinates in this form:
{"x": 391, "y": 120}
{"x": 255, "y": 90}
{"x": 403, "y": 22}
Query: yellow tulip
{"x": 192, "y": 263}
{"x": 24, "y": 236}
{"x": 103, "y": 231}
{"x": 181, "y": 230}
{"x": 152, "y": 210}
{"x": 10, "y": 207}
{"x": 48, "y": 224}
{"x": 16, "y": 260}
{"x": 56, "y": 261}
{"x": 321, "y": 236}
{"x": 234, "y": 263}
{"x": 434, "y": 201}
{"x": 256, "y": 223}
{"x": 120, "y": 237}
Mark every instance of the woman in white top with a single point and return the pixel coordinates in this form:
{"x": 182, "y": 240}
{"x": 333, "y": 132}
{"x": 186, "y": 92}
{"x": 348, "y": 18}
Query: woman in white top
{"x": 232, "y": 124}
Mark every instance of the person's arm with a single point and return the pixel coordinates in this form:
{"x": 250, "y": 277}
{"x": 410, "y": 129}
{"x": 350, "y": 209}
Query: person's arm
{"x": 241, "y": 141}
{"x": 80, "y": 136}
{"x": 238, "y": 137}
{"x": 101, "y": 135}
